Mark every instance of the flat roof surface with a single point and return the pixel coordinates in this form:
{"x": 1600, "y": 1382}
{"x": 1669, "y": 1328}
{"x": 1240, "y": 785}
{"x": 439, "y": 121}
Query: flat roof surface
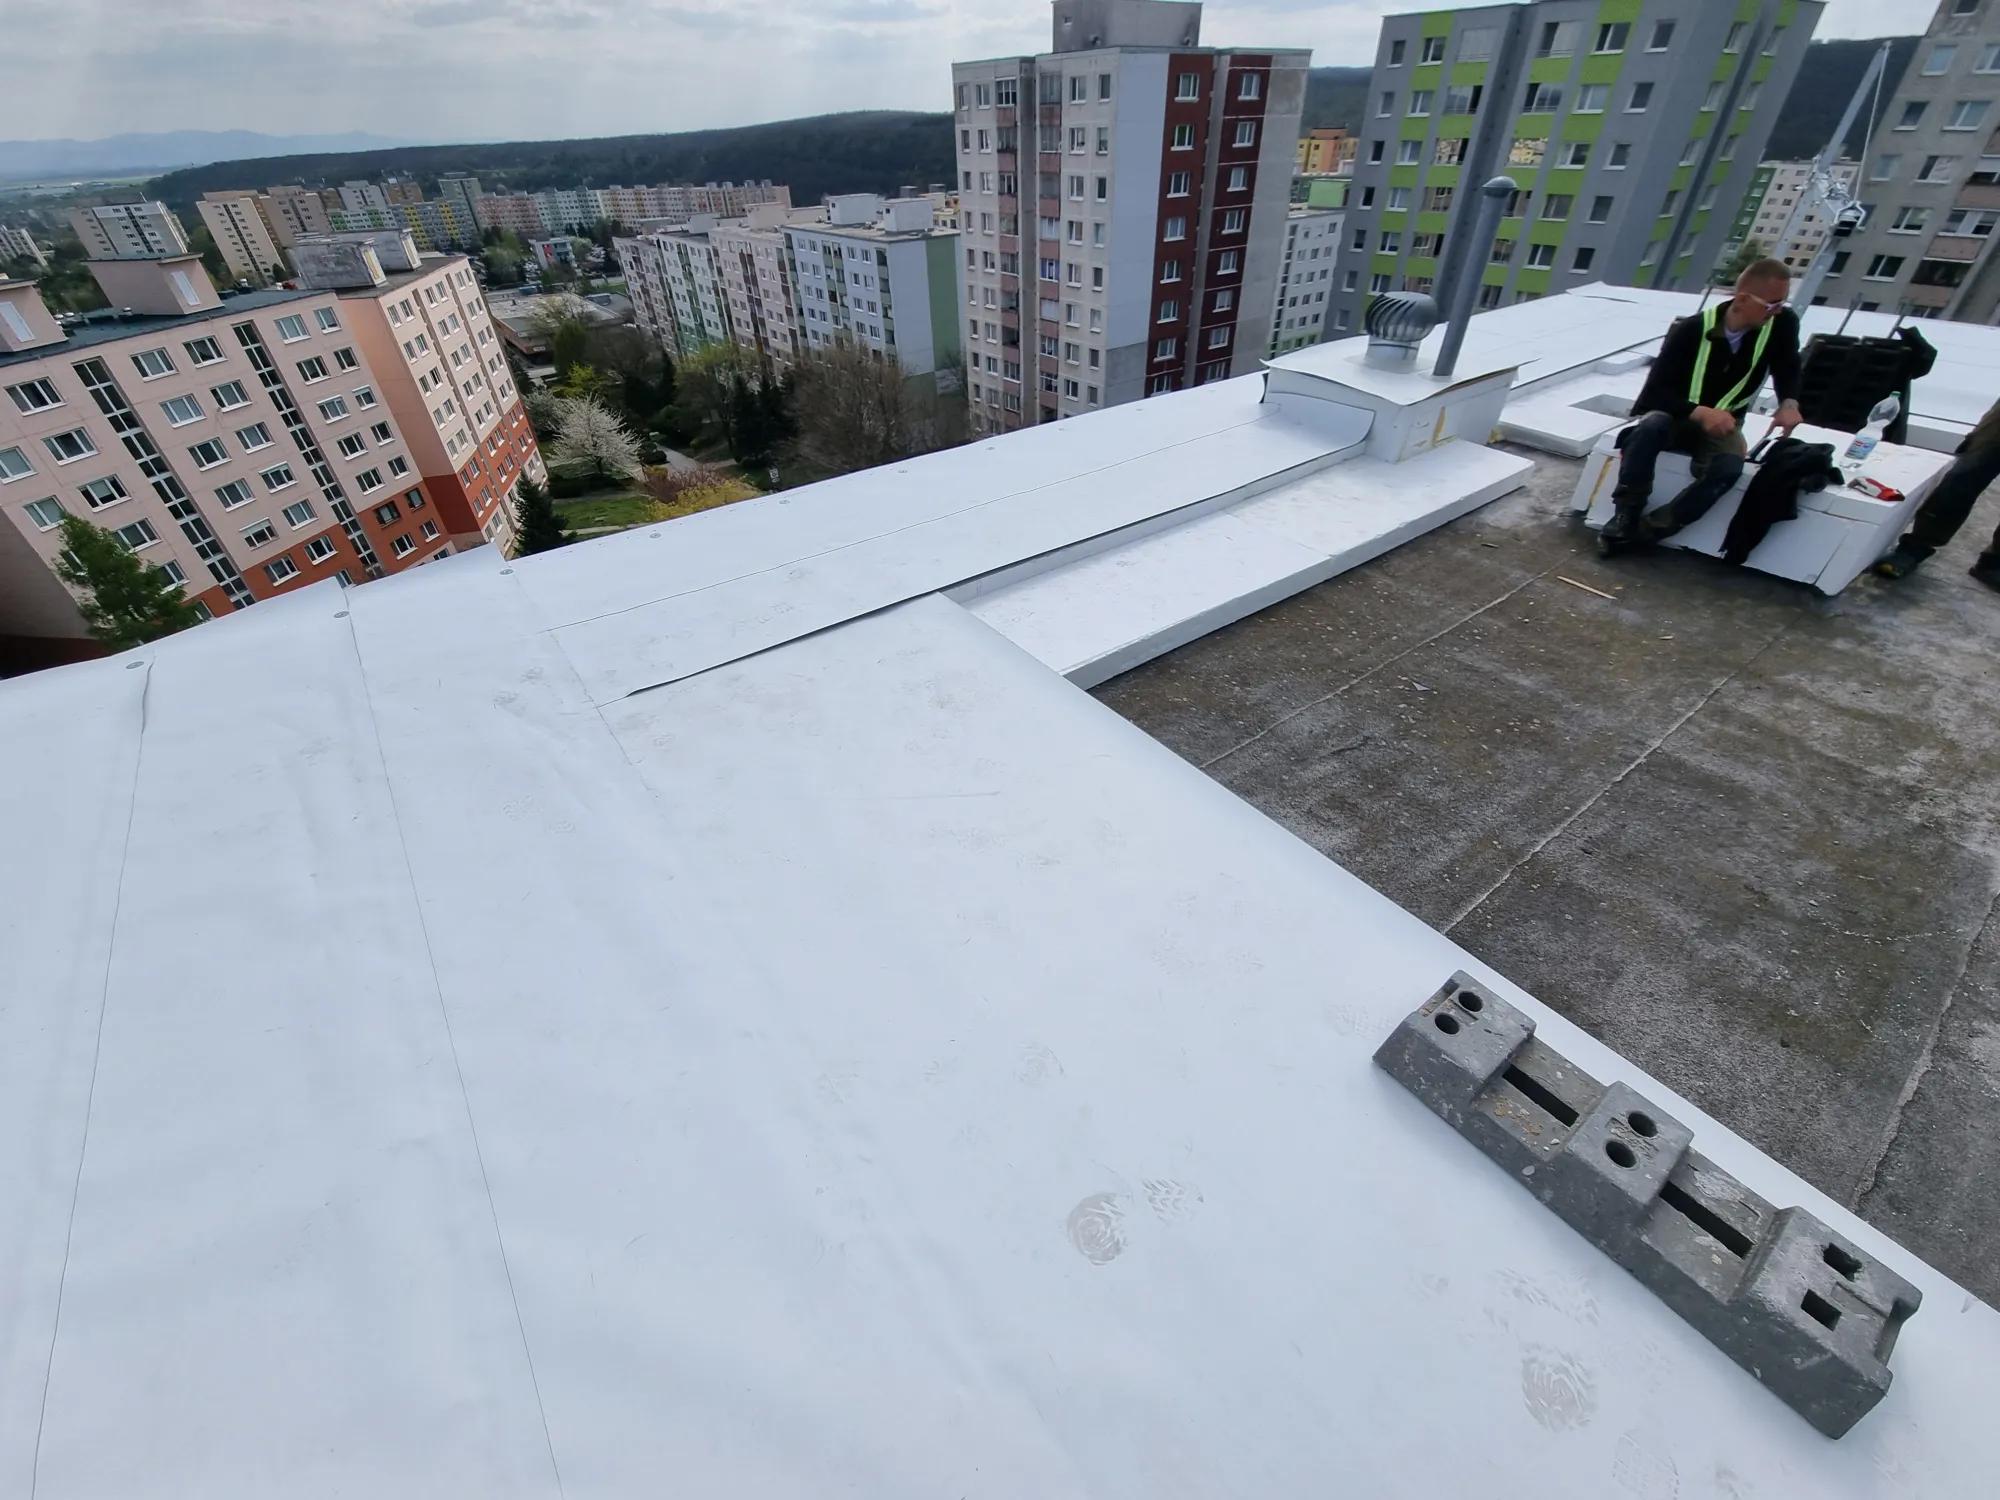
{"x": 722, "y": 1009}
{"x": 108, "y": 330}
{"x": 1744, "y": 834}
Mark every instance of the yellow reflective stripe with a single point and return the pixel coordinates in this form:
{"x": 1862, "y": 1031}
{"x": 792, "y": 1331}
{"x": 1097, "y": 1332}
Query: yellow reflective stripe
{"x": 1710, "y": 320}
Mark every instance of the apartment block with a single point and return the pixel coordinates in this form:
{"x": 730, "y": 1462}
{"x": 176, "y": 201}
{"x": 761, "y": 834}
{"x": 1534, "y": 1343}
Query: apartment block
{"x": 1322, "y": 152}
{"x": 19, "y": 244}
{"x": 1632, "y": 130}
{"x": 290, "y": 213}
{"x": 237, "y": 223}
{"x": 1305, "y": 278}
{"x": 128, "y": 231}
{"x": 239, "y": 444}
{"x": 1775, "y": 200}
{"x": 881, "y": 275}
{"x": 513, "y": 213}
{"x": 1123, "y": 205}
{"x": 421, "y": 323}
{"x": 759, "y": 282}
{"x": 363, "y": 197}
{"x": 461, "y": 191}
{"x": 1932, "y": 181}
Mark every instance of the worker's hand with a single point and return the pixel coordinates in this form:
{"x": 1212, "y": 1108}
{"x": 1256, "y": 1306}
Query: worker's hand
{"x": 1717, "y": 424}
{"x": 1786, "y": 418}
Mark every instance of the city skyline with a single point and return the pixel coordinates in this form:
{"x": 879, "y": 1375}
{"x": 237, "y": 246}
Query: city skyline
{"x": 577, "y": 68}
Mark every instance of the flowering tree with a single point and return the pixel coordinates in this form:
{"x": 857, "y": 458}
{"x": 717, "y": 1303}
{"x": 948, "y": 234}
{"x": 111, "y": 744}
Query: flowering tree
{"x": 590, "y": 433}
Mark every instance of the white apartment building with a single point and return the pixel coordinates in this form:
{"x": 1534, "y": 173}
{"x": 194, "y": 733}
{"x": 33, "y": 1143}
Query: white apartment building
{"x": 882, "y": 275}
{"x": 1123, "y": 203}
{"x": 19, "y": 244}
{"x": 1305, "y": 279}
{"x": 128, "y": 231}
{"x": 1780, "y": 201}
{"x": 363, "y": 198}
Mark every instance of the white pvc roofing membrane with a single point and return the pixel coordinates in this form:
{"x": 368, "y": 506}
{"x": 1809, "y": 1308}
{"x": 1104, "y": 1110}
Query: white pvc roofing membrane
{"x": 504, "y": 1031}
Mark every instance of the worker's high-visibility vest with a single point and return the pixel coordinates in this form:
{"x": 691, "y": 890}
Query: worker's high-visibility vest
{"x": 1738, "y": 394}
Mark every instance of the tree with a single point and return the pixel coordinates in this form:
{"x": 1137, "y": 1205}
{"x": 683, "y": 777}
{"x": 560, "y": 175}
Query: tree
{"x": 536, "y": 526}
{"x": 591, "y": 434}
{"x": 854, "y": 410}
{"x": 1750, "y": 251}
{"x": 125, "y": 602}
{"x": 704, "y": 387}
{"x": 202, "y": 243}
{"x": 588, "y": 380}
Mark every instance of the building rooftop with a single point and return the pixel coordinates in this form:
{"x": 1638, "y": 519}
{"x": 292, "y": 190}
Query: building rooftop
{"x": 727, "y": 1005}
{"x": 108, "y": 327}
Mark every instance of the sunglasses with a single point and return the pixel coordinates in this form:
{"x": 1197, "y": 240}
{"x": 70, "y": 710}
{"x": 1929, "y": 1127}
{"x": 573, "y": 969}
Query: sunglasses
{"x": 1763, "y": 302}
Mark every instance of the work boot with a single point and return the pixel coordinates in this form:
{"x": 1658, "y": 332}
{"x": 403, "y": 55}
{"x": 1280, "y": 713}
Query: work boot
{"x": 1987, "y": 569}
{"x": 1903, "y": 561}
{"x": 1623, "y": 528}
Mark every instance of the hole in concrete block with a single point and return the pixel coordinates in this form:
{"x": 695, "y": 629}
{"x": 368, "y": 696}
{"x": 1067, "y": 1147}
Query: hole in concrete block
{"x": 1621, "y": 1153}
{"x": 1446, "y": 1022}
{"x": 1471, "y": 1001}
{"x": 1643, "y": 1124}
{"x": 1706, "y": 1219}
{"x": 1848, "y": 1265}
{"x": 1540, "y": 1096}
{"x": 1820, "y": 1310}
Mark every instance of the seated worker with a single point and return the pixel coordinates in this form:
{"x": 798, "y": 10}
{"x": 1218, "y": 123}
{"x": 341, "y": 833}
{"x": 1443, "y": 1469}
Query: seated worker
{"x": 1694, "y": 401}
{"x": 1938, "y": 518}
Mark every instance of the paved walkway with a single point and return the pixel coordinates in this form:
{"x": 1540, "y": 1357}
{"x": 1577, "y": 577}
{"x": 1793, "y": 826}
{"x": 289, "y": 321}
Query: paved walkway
{"x": 1746, "y": 835}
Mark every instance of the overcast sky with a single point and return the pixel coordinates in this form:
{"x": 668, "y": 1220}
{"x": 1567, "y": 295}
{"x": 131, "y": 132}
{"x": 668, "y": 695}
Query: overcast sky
{"x": 452, "y": 70}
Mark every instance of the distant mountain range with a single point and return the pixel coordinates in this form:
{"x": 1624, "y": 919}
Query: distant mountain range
{"x": 126, "y": 155}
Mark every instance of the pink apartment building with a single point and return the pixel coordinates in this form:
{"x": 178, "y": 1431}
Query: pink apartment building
{"x": 246, "y": 444}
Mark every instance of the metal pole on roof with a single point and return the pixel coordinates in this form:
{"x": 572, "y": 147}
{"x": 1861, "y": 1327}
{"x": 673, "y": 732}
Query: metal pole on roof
{"x": 1464, "y": 296}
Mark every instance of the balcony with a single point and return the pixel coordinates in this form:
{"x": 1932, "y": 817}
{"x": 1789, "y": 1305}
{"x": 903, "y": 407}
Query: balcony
{"x": 1978, "y": 195}
{"x": 1965, "y": 247}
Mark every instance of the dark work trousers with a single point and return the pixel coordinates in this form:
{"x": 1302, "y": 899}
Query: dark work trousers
{"x": 1939, "y": 517}
{"x": 1717, "y": 465}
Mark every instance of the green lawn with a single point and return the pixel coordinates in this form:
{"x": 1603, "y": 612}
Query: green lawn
{"x": 626, "y": 508}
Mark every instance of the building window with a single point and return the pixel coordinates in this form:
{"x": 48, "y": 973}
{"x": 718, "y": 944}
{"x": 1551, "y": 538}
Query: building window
{"x": 1967, "y": 114}
{"x": 236, "y": 492}
{"x": 1528, "y": 151}
{"x": 1176, "y": 228}
{"x": 1884, "y": 268}
{"x": 1218, "y": 337}
{"x": 1170, "y": 310}
{"x": 1420, "y": 104}
{"x": 1166, "y": 348}
{"x": 153, "y": 363}
{"x": 1734, "y": 41}
{"x": 138, "y": 536}
{"x": 1543, "y": 99}
{"x": 320, "y": 549}
{"x": 35, "y": 395}
{"x": 281, "y": 569}
{"x": 68, "y": 447}
{"x": 333, "y": 409}
{"x": 253, "y": 437}
{"x": 1600, "y": 210}
{"x": 312, "y": 369}
{"x": 1188, "y": 86}
{"x": 46, "y": 514}
{"x": 352, "y": 446}
{"x": 259, "y": 533}
{"x": 1378, "y": 283}
{"x": 1104, "y": 140}
{"x": 292, "y": 328}
{"x": 1592, "y": 98}
{"x": 1170, "y": 271}
{"x": 1585, "y": 256}
{"x": 1885, "y": 168}
{"x": 1936, "y": 169}
{"x": 1558, "y": 38}
{"x": 1641, "y": 98}
{"x": 298, "y": 513}
{"x": 1437, "y": 200}
{"x": 327, "y": 319}
{"x": 181, "y": 410}
{"x": 1662, "y": 38}
{"x": 1184, "y": 138}
{"x": 368, "y": 481}
{"x": 1621, "y": 155}
{"x": 1396, "y": 54}
{"x": 278, "y": 477}
{"x": 1227, "y": 263}
{"x": 1233, "y": 221}
{"x": 13, "y": 465}
{"x": 1938, "y": 60}
{"x": 1611, "y": 37}
{"x": 229, "y": 395}
{"x": 99, "y": 493}
{"x": 1557, "y": 205}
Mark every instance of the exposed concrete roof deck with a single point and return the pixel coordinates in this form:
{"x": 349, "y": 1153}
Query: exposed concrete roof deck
{"x": 1747, "y": 836}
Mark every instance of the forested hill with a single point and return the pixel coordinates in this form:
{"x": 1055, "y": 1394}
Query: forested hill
{"x": 883, "y": 150}
{"x": 866, "y": 151}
